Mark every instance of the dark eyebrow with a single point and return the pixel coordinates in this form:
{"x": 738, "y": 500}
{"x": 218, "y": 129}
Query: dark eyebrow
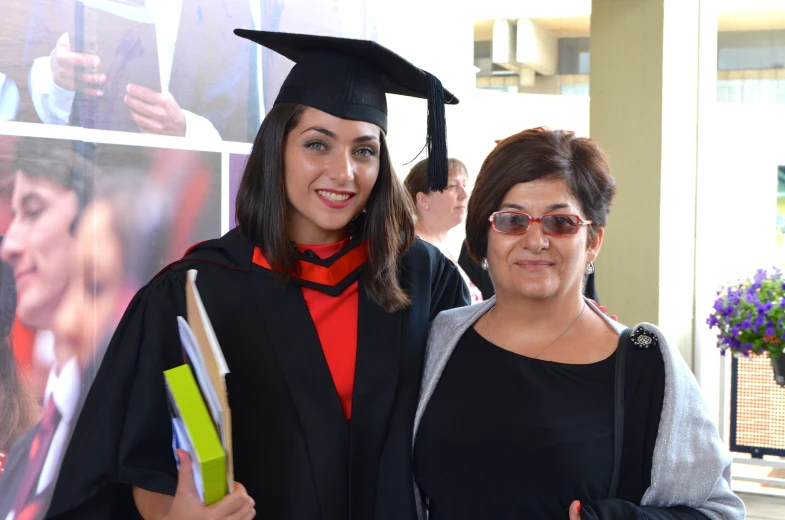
{"x": 550, "y": 208}
{"x": 332, "y": 135}
{"x": 321, "y": 131}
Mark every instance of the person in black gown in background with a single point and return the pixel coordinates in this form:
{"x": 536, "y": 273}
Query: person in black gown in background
{"x": 533, "y": 405}
{"x": 321, "y": 300}
{"x": 437, "y": 212}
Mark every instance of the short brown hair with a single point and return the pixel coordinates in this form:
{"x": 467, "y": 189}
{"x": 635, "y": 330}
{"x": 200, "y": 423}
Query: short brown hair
{"x": 417, "y": 179}
{"x": 69, "y": 164}
{"x": 262, "y": 210}
{"x": 535, "y": 154}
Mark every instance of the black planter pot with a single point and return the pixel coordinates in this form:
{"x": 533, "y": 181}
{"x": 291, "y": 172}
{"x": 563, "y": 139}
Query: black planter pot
{"x": 779, "y": 369}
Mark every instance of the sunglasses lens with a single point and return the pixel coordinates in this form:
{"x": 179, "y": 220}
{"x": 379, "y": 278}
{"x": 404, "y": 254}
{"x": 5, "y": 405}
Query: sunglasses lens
{"x": 511, "y": 222}
{"x": 560, "y": 224}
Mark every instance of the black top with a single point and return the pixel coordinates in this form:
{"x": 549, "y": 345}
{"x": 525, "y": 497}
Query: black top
{"x": 541, "y": 432}
{"x": 293, "y": 449}
{"x": 506, "y": 436}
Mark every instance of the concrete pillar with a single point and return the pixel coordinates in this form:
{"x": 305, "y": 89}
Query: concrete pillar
{"x": 648, "y": 61}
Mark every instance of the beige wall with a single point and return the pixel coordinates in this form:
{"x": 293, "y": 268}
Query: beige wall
{"x": 646, "y": 60}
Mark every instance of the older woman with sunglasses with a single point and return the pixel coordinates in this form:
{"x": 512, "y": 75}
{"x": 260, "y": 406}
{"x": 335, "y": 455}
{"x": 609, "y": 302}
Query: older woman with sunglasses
{"x": 533, "y": 403}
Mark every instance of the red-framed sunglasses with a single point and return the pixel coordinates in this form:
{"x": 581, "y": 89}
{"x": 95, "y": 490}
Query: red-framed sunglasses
{"x": 553, "y": 224}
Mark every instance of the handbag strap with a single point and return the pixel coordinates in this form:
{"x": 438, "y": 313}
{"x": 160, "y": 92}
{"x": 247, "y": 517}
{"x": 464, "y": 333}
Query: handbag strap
{"x": 618, "y": 411}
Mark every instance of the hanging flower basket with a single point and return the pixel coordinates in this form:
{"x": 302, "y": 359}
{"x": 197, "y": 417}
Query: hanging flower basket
{"x": 750, "y": 318}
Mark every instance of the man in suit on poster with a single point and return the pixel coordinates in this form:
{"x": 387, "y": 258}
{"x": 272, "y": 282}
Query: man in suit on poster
{"x": 53, "y": 183}
{"x": 102, "y": 282}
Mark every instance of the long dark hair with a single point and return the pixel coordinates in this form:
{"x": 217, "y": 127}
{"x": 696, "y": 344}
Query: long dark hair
{"x": 262, "y": 211}
{"x": 16, "y": 403}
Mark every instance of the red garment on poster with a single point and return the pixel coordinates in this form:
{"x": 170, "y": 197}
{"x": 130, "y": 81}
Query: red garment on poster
{"x": 22, "y": 340}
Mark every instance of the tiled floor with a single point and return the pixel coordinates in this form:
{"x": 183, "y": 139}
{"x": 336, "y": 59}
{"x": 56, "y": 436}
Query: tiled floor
{"x": 761, "y": 507}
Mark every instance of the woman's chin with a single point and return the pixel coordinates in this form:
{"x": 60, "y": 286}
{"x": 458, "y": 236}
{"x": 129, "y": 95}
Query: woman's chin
{"x": 536, "y": 290}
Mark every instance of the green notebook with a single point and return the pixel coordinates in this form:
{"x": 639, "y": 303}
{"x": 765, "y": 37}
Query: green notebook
{"x": 196, "y": 433}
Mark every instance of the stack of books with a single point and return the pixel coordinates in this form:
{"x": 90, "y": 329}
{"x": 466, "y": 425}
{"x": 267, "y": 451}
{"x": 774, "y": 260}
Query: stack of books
{"x": 198, "y": 401}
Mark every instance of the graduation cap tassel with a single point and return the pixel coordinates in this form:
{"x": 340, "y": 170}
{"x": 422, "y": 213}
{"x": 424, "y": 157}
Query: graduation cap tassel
{"x": 437, "y": 136}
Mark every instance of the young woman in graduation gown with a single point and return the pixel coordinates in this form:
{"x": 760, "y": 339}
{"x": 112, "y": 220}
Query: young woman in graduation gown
{"x": 534, "y": 404}
{"x": 321, "y": 299}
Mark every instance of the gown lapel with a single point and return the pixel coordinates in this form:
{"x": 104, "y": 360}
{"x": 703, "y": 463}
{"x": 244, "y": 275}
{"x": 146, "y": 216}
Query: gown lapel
{"x": 375, "y": 382}
{"x": 293, "y": 336}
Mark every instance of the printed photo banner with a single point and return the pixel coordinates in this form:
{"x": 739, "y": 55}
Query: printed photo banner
{"x": 169, "y": 100}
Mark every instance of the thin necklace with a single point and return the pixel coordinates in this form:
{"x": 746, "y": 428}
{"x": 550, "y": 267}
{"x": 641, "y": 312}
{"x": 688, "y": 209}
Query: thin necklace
{"x": 488, "y": 329}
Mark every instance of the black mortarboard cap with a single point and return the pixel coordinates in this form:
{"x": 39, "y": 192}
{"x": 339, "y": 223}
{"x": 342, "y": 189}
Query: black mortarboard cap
{"x": 348, "y": 78}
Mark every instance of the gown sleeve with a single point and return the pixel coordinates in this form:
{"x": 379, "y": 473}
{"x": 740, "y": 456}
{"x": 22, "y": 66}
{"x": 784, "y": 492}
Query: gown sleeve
{"x": 123, "y": 436}
{"x": 448, "y": 290}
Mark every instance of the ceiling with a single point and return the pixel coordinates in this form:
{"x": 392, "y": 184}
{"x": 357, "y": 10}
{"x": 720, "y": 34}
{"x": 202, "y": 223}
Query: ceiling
{"x": 567, "y": 18}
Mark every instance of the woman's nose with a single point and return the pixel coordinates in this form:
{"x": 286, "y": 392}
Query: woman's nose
{"x": 534, "y": 239}
{"x": 342, "y": 170}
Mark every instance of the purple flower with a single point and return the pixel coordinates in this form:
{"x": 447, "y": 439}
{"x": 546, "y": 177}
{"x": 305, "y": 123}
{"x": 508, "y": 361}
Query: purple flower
{"x": 760, "y": 320}
{"x": 770, "y": 330}
{"x": 746, "y": 324}
{"x": 718, "y": 305}
{"x": 734, "y": 330}
{"x": 766, "y": 307}
{"x": 735, "y": 294}
{"x": 729, "y": 309}
{"x": 782, "y": 303}
{"x": 760, "y": 275}
{"x": 712, "y": 321}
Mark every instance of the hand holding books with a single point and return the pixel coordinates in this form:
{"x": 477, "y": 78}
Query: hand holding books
{"x": 76, "y": 70}
{"x": 155, "y": 112}
{"x": 201, "y": 422}
{"x": 187, "y": 504}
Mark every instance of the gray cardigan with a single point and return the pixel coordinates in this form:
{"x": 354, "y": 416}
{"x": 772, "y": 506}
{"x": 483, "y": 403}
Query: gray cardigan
{"x": 691, "y": 466}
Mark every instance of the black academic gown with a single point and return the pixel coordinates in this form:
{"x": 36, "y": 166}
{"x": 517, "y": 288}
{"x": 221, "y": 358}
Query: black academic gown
{"x": 293, "y": 449}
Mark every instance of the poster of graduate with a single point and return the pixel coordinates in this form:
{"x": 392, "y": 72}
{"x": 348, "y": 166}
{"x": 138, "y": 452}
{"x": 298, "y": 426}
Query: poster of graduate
{"x": 124, "y": 129}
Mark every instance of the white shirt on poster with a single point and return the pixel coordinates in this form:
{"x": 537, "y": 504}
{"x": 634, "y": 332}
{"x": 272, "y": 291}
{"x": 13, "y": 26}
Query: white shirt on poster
{"x": 9, "y": 98}
{"x": 53, "y": 103}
